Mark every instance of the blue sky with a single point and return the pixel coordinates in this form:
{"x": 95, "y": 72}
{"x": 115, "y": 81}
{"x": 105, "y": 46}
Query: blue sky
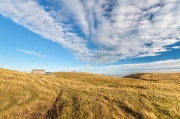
{"x": 114, "y": 37}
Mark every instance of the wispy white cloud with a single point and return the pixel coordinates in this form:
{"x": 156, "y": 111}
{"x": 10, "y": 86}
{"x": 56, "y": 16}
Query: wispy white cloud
{"x": 124, "y": 69}
{"x": 117, "y": 29}
{"x": 32, "y": 53}
{"x": 137, "y": 29}
{"x": 175, "y": 47}
{"x": 33, "y": 16}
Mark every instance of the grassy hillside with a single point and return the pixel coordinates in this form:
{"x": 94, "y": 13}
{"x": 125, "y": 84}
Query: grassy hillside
{"x": 88, "y": 96}
{"x": 155, "y": 76}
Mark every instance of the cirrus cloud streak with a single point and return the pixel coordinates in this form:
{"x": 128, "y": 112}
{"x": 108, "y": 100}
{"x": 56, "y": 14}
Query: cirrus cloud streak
{"x": 32, "y": 53}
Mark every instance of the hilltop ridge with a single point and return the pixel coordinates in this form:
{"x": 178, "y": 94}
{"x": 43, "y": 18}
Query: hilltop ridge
{"x": 155, "y": 76}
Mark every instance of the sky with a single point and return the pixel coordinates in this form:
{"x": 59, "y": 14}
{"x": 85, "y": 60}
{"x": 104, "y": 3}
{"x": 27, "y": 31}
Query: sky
{"x": 112, "y": 37}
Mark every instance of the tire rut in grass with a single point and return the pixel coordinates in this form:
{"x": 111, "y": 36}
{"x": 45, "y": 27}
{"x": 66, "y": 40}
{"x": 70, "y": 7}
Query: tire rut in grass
{"x": 52, "y": 113}
{"x": 129, "y": 110}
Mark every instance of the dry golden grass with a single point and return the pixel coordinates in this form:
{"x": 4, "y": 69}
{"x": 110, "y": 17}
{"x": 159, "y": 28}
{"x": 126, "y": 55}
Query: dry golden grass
{"x": 155, "y": 76}
{"x": 68, "y": 95}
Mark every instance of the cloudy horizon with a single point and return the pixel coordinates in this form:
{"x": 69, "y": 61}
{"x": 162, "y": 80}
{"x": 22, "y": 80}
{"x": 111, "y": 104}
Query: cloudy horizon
{"x": 99, "y": 33}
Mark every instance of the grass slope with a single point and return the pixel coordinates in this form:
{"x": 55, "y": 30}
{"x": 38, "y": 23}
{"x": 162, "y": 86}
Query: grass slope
{"x": 71, "y": 95}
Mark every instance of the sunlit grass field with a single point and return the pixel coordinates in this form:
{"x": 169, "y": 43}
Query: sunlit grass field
{"x": 70, "y": 95}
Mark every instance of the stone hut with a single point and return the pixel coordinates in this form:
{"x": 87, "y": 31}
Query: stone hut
{"x": 37, "y": 71}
